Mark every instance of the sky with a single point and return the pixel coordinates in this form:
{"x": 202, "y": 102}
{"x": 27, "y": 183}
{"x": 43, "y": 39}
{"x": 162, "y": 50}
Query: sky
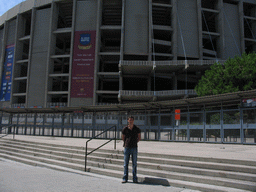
{"x": 5, "y": 5}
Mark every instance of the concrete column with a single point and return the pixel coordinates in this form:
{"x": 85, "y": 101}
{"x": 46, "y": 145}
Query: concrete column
{"x": 122, "y": 31}
{"x": 97, "y": 51}
{"x": 121, "y": 51}
{"x": 30, "y": 51}
{"x": 241, "y": 23}
{"x": 51, "y": 47}
{"x": 150, "y": 30}
{"x": 3, "y": 50}
{"x": 220, "y": 43}
{"x": 175, "y": 30}
{"x": 15, "y": 53}
{"x": 71, "y": 50}
{"x": 136, "y": 27}
{"x": 200, "y": 34}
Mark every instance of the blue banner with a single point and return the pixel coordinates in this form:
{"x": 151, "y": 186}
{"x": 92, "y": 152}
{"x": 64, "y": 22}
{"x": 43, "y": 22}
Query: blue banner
{"x": 5, "y": 93}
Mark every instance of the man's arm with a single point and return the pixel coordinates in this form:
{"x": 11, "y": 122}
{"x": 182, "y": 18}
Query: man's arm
{"x": 139, "y": 137}
{"x": 123, "y": 137}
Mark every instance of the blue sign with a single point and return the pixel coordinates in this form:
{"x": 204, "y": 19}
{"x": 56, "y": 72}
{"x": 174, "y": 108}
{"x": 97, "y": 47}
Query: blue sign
{"x": 5, "y": 93}
{"x": 85, "y": 39}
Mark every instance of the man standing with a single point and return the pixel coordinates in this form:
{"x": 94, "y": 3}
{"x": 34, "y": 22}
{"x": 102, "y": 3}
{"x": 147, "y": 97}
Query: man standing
{"x": 131, "y": 135}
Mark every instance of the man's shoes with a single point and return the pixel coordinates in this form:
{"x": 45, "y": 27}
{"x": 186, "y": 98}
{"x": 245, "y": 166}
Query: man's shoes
{"x": 124, "y": 181}
{"x": 135, "y": 181}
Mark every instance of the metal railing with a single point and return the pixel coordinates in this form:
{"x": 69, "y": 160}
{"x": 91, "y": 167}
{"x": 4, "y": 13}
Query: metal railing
{"x": 86, "y": 147}
{"x": 173, "y": 62}
{"x": 7, "y": 127}
{"x": 157, "y": 93}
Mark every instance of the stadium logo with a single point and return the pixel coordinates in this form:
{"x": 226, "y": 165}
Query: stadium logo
{"x": 85, "y": 41}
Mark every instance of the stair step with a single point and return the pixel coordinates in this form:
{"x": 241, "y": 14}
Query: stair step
{"x": 206, "y": 174}
{"x": 141, "y": 178}
{"x": 195, "y": 164}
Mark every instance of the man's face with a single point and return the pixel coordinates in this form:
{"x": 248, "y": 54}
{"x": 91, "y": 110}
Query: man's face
{"x": 130, "y": 121}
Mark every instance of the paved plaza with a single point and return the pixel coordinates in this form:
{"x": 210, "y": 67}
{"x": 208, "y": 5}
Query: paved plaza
{"x": 18, "y": 177}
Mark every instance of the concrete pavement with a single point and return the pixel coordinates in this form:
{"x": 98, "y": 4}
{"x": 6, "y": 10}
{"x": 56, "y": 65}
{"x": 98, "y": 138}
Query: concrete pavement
{"x": 20, "y": 177}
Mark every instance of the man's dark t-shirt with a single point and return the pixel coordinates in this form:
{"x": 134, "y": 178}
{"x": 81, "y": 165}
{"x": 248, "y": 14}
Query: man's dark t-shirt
{"x": 131, "y": 136}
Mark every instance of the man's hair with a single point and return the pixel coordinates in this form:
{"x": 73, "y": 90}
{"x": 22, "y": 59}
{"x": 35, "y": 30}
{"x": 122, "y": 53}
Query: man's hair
{"x": 131, "y": 117}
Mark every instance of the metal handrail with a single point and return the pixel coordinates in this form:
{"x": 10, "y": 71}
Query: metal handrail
{"x": 86, "y": 154}
{"x": 7, "y": 127}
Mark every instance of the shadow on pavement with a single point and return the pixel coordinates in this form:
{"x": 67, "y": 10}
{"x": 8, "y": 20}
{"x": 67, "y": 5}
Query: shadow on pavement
{"x": 155, "y": 181}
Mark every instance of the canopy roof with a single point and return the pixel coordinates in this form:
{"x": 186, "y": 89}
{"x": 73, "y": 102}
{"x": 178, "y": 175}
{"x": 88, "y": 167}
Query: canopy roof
{"x": 228, "y": 99}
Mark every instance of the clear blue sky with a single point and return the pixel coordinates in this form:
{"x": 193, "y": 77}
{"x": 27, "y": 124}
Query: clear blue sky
{"x": 5, "y": 5}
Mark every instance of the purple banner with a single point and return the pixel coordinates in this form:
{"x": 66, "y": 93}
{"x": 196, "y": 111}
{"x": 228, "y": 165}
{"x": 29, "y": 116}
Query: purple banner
{"x": 83, "y": 64}
{"x": 5, "y": 94}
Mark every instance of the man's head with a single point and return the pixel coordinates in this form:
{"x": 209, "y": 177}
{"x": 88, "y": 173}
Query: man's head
{"x": 130, "y": 120}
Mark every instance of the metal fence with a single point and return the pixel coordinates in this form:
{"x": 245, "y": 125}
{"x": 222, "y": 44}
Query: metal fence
{"x": 210, "y": 126}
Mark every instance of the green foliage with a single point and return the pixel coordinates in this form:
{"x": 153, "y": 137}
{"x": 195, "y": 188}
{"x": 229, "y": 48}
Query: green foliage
{"x": 227, "y": 118}
{"x": 237, "y": 74}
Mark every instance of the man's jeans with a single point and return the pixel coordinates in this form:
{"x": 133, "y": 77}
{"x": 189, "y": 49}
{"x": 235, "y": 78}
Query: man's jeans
{"x": 127, "y": 152}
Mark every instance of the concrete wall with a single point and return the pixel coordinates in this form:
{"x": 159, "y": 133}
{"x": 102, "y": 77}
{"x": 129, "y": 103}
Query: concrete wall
{"x": 86, "y": 15}
{"x": 36, "y": 94}
{"x": 136, "y": 27}
{"x": 188, "y": 27}
{"x": 232, "y": 35}
{"x": 11, "y": 32}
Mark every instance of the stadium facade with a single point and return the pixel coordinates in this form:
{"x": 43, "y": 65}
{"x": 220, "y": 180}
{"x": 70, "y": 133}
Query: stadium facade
{"x": 93, "y": 52}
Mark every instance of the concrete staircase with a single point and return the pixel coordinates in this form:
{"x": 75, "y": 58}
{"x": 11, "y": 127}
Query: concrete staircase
{"x": 204, "y": 174}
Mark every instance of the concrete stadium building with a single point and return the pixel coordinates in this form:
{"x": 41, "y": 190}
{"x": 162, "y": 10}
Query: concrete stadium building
{"x": 95, "y": 52}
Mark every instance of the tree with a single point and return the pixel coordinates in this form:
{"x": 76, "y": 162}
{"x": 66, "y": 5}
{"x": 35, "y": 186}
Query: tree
{"x": 236, "y": 74}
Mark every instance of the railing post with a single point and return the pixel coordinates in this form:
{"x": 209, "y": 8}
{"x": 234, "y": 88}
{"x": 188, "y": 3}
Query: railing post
{"x": 17, "y": 126}
{"x": 72, "y": 125}
{"x": 9, "y": 124}
{"x": 62, "y": 124}
{"x": 1, "y": 119}
{"x": 26, "y": 123}
{"x": 43, "y": 124}
{"x": 85, "y": 157}
{"x": 34, "y": 129}
{"x": 241, "y": 125}
{"x": 53, "y": 115}
{"x": 222, "y": 134}
{"x": 13, "y": 132}
{"x": 115, "y": 137}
